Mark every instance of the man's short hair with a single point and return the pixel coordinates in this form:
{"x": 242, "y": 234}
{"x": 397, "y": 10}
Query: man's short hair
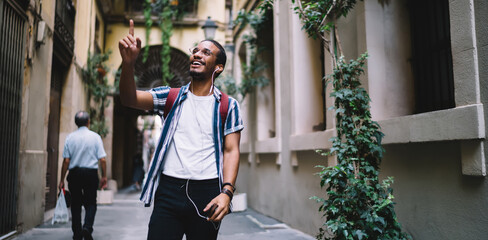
{"x": 82, "y": 118}
{"x": 221, "y": 56}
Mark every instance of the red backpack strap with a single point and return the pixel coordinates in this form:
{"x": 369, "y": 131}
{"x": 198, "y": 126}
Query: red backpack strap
{"x": 224, "y": 107}
{"x": 170, "y": 100}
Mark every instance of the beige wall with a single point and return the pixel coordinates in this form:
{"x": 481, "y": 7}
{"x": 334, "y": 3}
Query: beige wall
{"x": 74, "y": 91}
{"x": 73, "y": 95}
{"x": 306, "y": 85}
{"x": 241, "y": 57}
{"x": 36, "y": 90}
{"x": 267, "y": 173}
{"x": 213, "y": 8}
{"x": 437, "y": 158}
{"x": 434, "y": 199}
{"x": 388, "y": 44}
{"x": 34, "y": 122}
{"x": 35, "y": 110}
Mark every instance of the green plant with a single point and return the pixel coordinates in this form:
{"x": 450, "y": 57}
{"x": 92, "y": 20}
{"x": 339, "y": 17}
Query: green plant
{"x": 357, "y": 206}
{"x": 94, "y": 76}
{"x": 319, "y": 20}
{"x": 252, "y": 73}
{"x": 227, "y": 83}
{"x": 166, "y": 26}
{"x": 147, "y": 12}
{"x": 167, "y": 11}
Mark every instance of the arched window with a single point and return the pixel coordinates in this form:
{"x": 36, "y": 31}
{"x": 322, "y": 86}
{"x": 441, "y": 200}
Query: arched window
{"x": 148, "y": 74}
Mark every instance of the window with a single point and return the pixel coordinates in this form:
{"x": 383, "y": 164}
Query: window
{"x": 97, "y": 40}
{"x": 431, "y": 55}
{"x": 265, "y": 96}
{"x": 241, "y": 58}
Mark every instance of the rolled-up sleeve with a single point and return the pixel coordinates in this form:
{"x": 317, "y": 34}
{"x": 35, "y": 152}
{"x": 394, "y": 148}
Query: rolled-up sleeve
{"x": 100, "y": 150}
{"x": 233, "y": 123}
{"x": 66, "y": 152}
{"x": 160, "y": 94}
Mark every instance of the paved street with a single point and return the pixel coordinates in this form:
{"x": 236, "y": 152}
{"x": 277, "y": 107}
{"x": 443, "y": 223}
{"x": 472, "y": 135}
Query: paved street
{"x": 126, "y": 219}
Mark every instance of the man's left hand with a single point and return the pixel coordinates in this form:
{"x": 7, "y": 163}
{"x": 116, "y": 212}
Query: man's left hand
{"x": 103, "y": 183}
{"x": 222, "y": 201}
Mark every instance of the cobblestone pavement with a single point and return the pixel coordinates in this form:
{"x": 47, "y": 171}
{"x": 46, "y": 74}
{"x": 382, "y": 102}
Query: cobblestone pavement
{"x": 127, "y": 219}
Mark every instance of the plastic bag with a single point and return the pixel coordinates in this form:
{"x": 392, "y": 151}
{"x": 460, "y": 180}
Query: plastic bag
{"x": 61, "y": 213}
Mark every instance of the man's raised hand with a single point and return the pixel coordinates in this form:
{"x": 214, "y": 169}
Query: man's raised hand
{"x": 130, "y": 46}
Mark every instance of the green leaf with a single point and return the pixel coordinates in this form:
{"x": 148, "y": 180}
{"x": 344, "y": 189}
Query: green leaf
{"x": 360, "y": 234}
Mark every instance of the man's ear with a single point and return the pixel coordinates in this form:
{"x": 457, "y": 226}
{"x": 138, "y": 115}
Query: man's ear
{"x": 219, "y": 68}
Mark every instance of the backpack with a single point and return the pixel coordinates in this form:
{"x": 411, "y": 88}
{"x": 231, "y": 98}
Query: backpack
{"x": 173, "y": 93}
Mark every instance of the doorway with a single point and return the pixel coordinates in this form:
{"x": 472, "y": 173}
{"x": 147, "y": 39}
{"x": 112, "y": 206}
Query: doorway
{"x": 57, "y": 77}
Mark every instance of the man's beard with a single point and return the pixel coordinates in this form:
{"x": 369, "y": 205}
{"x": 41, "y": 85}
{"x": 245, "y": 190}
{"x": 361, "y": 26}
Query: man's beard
{"x": 196, "y": 75}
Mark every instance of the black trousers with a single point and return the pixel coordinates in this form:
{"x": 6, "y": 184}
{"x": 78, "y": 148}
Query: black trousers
{"x": 83, "y": 185}
{"x": 174, "y": 214}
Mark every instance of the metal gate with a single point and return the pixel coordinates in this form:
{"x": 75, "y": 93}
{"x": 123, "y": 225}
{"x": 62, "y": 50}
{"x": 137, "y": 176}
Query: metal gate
{"x": 12, "y": 38}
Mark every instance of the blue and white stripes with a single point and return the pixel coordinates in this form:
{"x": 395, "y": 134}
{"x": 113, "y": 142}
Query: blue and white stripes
{"x": 233, "y": 124}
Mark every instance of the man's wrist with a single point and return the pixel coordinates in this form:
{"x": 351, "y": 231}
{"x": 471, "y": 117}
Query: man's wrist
{"x": 228, "y": 189}
{"x": 229, "y": 186}
{"x": 228, "y": 192}
{"x": 128, "y": 65}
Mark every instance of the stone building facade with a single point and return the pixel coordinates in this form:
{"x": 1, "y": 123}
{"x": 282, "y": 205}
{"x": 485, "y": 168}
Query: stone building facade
{"x": 426, "y": 75}
{"x": 45, "y": 46}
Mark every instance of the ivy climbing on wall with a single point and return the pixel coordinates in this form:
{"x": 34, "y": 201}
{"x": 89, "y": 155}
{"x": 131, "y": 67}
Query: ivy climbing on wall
{"x": 253, "y": 70}
{"x": 164, "y": 13}
{"x": 358, "y": 205}
{"x": 95, "y": 78}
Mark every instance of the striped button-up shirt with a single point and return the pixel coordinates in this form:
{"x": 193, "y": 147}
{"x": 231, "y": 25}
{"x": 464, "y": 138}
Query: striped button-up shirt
{"x": 232, "y": 124}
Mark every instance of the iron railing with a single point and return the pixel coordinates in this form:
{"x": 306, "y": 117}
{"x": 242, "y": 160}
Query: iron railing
{"x": 64, "y": 23}
{"x": 12, "y": 39}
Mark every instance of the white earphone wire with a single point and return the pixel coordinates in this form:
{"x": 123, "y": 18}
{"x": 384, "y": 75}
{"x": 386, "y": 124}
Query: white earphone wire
{"x": 213, "y": 79}
{"x": 215, "y": 225}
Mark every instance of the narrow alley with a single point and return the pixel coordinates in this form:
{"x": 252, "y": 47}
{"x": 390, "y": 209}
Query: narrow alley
{"x": 356, "y": 119}
{"x": 126, "y": 219}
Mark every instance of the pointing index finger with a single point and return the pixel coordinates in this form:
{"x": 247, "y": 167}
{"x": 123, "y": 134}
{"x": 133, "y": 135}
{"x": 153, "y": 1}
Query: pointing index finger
{"x": 131, "y": 27}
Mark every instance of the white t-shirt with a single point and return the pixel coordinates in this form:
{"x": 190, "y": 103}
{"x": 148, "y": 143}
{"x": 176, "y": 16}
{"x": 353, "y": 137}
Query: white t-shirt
{"x": 191, "y": 153}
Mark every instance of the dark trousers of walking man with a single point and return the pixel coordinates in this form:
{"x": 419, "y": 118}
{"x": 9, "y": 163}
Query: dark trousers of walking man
{"x": 83, "y": 184}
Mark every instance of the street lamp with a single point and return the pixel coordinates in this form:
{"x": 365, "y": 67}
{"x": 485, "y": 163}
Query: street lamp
{"x": 209, "y": 28}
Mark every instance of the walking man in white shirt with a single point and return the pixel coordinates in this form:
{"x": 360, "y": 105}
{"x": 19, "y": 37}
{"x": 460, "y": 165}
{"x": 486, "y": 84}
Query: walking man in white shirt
{"x": 83, "y": 150}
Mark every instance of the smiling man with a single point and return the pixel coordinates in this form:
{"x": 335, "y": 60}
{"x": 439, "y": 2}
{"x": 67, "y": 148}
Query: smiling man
{"x": 194, "y": 168}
